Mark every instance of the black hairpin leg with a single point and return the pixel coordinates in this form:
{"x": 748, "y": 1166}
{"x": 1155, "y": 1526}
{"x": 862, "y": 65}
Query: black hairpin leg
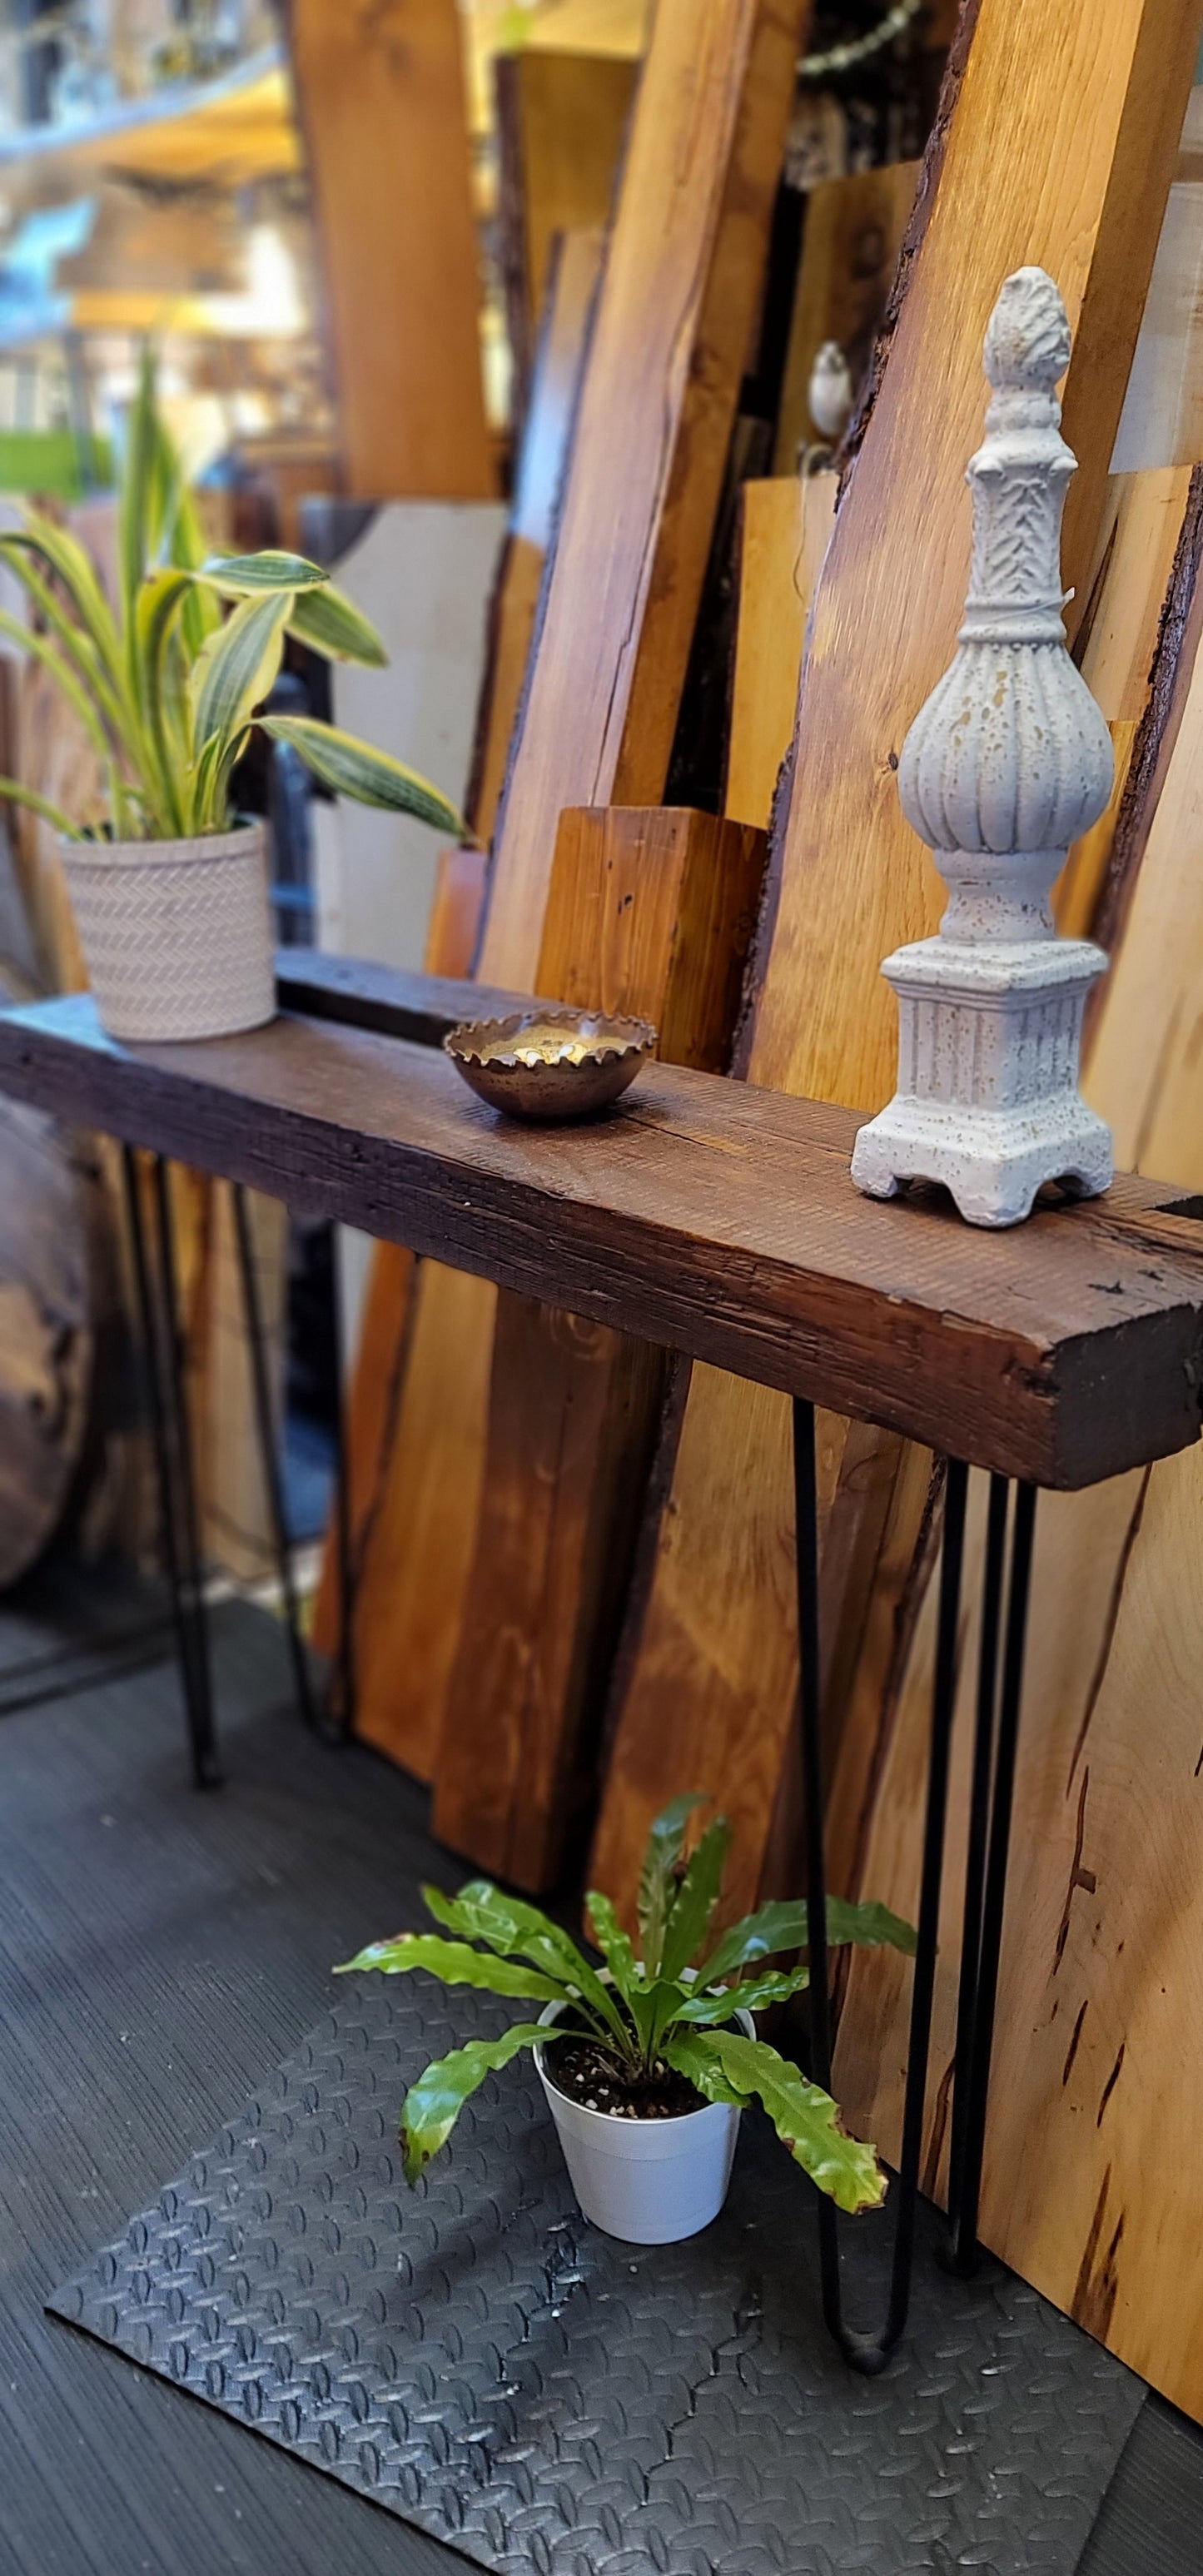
{"x": 870, "y": 2352}
{"x": 270, "y": 1456}
{"x": 342, "y": 1698}
{"x": 161, "y": 1345}
{"x": 982, "y": 1937}
{"x": 979, "y": 1803}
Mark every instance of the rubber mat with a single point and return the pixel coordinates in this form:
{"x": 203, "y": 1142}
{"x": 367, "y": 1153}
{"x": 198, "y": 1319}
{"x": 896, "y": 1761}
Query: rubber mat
{"x": 480, "y": 2361}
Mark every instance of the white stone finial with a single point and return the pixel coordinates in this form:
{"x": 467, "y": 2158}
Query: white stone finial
{"x": 1006, "y": 763}
{"x": 829, "y": 394}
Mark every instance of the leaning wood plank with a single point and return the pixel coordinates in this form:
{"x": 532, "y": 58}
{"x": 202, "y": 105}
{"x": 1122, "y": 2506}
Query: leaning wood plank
{"x": 380, "y": 94}
{"x": 428, "y": 1353}
{"x": 1049, "y": 148}
{"x": 673, "y": 324}
{"x": 1162, "y": 422}
{"x": 561, "y": 125}
{"x": 651, "y": 912}
{"x": 854, "y": 231}
{"x": 376, "y": 1379}
{"x": 1117, "y": 659}
{"x": 784, "y": 529}
{"x": 1097, "y": 2090}
{"x": 678, "y": 307}
{"x": 576, "y": 269}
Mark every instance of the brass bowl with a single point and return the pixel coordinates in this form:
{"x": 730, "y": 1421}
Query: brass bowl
{"x": 548, "y": 1063}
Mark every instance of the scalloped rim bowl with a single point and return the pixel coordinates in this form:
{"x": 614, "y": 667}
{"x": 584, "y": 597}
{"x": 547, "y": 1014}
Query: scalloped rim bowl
{"x": 549, "y": 1063}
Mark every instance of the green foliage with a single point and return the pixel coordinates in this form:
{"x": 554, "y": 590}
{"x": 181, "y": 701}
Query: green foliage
{"x": 167, "y": 683}
{"x": 728, "y": 2067}
{"x": 672, "y": 2007}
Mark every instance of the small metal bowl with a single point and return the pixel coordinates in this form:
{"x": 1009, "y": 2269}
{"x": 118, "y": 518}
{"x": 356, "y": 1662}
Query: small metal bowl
{"x": 550, "y": 1064}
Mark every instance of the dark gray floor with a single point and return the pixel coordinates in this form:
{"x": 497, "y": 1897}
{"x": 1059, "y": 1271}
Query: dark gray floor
{"x": 158, "y": 1951}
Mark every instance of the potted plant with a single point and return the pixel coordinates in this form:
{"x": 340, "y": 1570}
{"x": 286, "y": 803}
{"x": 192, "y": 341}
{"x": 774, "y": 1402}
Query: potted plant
{"x": 168, "y": 884}
{"x": 646, "y": 2062}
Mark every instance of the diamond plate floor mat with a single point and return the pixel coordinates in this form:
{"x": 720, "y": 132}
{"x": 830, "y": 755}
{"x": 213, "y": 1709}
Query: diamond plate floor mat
{"x": 479, "y": 2360}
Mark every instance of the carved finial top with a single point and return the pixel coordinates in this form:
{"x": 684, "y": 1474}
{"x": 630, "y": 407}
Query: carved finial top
{"x": 1027, "y": 337}
{"x": 1010, "y": 752}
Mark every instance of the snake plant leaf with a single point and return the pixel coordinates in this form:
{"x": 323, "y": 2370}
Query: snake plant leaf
{"x": 239, "y": 576}
{"x": 726, "y": 2067}
{"x": 159, "y": 602}
{"x": 665, "y": 1843}
{"x": 44, "y": 650}
{"x": 333, "y": 625}
{"x": 64, "y": 556}
{"x": 481, "y": 1913}
{"x": 458, "y": 1965}
{"x": 200, "y": 786}
{"x": 755, "y": 1995}
{"x": 19, "y": 795}
{"x": 354, "y": 768}
{"x": 696, "y": 1899}
{"x": 237, "y": 666}
{"x": 75, "y": 641}
{"x": 141, "y": 489}
{"x": 433, "y": 2104}
{"x": 784, "y": 1925}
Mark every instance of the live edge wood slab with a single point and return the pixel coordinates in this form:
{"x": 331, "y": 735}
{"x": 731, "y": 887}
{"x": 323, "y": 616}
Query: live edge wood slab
{"x": 712, "y": 1217}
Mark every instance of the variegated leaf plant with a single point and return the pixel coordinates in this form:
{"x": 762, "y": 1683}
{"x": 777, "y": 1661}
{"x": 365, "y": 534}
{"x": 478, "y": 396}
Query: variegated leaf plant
{"x": 167, "y": 681}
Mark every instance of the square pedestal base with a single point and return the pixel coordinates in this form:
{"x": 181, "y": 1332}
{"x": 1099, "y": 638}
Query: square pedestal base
{"x": 992, "y": 1161}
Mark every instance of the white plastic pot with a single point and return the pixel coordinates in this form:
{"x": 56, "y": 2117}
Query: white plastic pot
{"x": 177, "y": 934}
{"x": 649, "y": 2182}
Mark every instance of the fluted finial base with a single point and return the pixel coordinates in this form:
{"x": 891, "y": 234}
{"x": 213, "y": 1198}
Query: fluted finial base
{"x": 987, "y": 1100}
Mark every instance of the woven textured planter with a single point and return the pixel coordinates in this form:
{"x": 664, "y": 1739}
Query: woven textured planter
{"x": 177, "y": 934}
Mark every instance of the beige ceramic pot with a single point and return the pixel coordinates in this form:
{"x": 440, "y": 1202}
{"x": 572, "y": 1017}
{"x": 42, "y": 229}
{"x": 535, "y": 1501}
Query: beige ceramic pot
{"x": 177, "y": 934}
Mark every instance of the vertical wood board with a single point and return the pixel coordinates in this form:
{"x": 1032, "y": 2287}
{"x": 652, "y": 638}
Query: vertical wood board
{"x": 674, "y": 323}
{"x": 381, "y": 99}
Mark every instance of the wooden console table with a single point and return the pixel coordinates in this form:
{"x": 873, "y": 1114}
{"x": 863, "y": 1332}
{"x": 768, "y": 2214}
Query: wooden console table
{"x": 720, "y": 1221}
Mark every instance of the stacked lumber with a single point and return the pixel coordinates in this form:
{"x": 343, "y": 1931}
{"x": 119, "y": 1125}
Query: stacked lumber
{"x": 674, "y": 322}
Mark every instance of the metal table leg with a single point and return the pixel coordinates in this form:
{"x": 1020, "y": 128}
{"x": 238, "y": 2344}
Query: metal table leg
{"x": 870, "y": 2352}
{"x": 979, "y": 1962}
{"x": 161, "y": 1344}
{"x": 269, "y": 1452}
{"x": 342, "y": 1702}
